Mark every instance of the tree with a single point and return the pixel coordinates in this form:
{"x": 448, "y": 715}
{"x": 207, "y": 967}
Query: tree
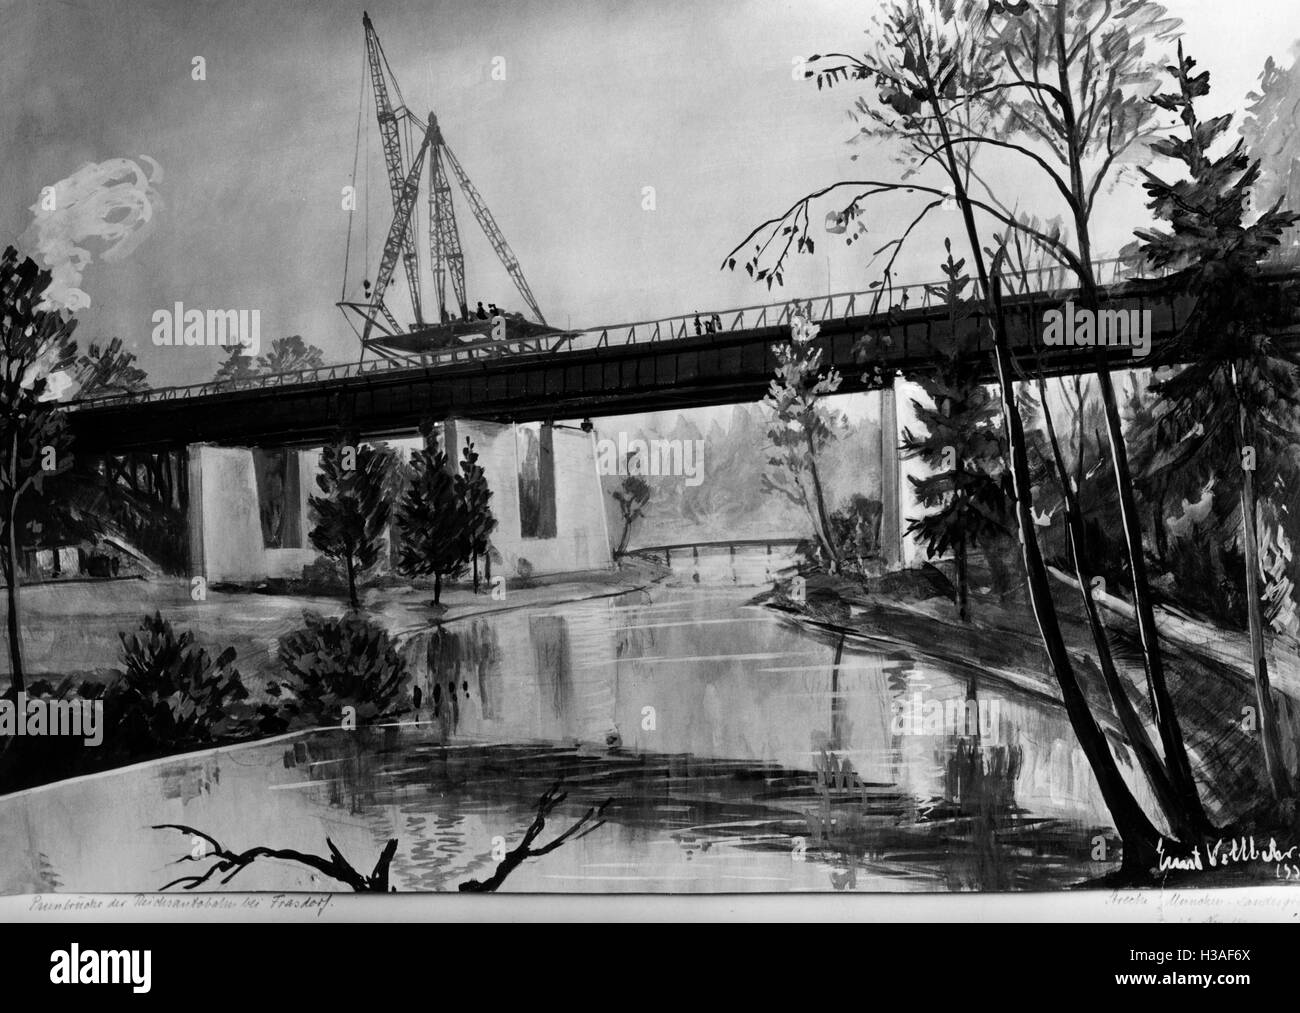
{"x": 432, "y": 521}
{"x": 286, "y": 355}
{"x": 1237, "y": 397}
{"x": 631, "y": 496}
{"x": 36, "y": 359}
{"x": 960, "y": 444}
{"x": 290, "y": 355}
{"x": 930, "y": 64}
{"x": 1271, "y": 136}
{"x": 352, "y": 513}
{"x": 108, "y": 370}
{"x": 802, "y": 425}
{"x": 237, "y": 366}
{"x": 474, "y": 495}
{"x": 1071, "y": 90}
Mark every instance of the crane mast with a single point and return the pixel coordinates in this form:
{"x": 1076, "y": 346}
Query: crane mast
{"x": 447, "y": 258}
{"x": 400, "y": 227}
{"x": 444, "y": 239}
{"x": 391, "y": 138}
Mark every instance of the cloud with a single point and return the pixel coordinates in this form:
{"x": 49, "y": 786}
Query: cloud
{"x": 106, "y": 207}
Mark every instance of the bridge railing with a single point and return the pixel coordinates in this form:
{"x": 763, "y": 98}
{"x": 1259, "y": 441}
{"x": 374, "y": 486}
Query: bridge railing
{"x": 878, "y": 297}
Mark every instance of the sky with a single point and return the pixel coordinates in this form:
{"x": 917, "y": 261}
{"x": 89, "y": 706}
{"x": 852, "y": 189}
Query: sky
{"x": 601, "y": 99}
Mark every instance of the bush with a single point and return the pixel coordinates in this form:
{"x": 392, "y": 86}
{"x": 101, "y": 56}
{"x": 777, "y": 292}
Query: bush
{"x": 855, "y": 528}
{"x": 171, "y": 693}
{"x": 333, "y": 663}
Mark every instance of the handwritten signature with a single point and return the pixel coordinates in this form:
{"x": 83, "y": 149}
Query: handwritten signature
{"x": 1234, "y": 851}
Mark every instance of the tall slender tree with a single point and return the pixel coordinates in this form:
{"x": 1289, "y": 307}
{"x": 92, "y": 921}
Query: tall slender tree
{"x": 1237, "y": 398}
{"x": 802, "y": 425}
{"x": 1071, "y": 90}
{"x": 37, "y": 356}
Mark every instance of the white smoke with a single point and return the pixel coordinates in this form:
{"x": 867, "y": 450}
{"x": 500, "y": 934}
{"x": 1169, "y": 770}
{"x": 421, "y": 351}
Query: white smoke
{"x": 108, "y": 206}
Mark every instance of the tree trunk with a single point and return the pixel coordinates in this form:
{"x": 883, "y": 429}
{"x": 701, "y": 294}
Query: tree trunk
{"x": 1139, "y": 836}
{"x": 822, "y": 520}
{"x": 352, "y": 581}
{"x": 1158, "y": 529}
{"x": 10, "y": 561}
{"x": 1136, "y": 831}
{"x": 475, "y": 572}
{"x": 627, "y": 534}
{"x": 437, "y": 588}
{"x": 1182, "y": 823}
{"x": 1279, "y": 779}
{"x": 1162, "y": 705}
{"x": 487, "y": 564}
{"x": 963, "y": 581}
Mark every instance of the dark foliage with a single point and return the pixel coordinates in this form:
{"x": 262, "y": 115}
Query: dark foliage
{"x": 332, "y": 663}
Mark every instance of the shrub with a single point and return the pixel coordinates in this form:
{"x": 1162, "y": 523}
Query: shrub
{"x": 172, "y": 693}
{"x": 346, "y": 661}
{"x": 856, "y": 527}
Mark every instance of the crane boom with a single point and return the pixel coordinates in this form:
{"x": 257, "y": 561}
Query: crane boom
{"x": 392, "y": 142}
{"x": 493, "y": 232}
{"x": 396, "y": 232}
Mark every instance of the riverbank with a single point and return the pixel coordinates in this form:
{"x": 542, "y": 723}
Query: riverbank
{"x": 1207, "y": 669}
{"x": 72, "y": 637}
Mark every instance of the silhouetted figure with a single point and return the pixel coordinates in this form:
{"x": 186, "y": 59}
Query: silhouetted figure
{"x": 482, "y": 313}
{"x": 698, "y": 329}
{"x": 717, "y": 322}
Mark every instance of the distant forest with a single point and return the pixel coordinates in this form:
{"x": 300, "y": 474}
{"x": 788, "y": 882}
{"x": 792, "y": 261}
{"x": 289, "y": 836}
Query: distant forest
{"x": 730, "y": 501}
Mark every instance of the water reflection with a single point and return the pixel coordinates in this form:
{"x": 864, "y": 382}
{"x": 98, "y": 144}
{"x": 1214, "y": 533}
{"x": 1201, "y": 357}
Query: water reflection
{"x": 739, "y": 752}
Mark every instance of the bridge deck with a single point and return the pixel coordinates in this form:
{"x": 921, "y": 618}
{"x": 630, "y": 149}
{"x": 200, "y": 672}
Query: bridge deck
{"x": 644, "y": 367}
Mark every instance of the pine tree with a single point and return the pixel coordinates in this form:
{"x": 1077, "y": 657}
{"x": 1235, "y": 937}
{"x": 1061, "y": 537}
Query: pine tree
{"x": 473, "y": 494}
{"x": 960, "y": 444}
{"x": 431, "y": 521}
{"x": 351, "y": 514}
{"x": 1230, "y": 413}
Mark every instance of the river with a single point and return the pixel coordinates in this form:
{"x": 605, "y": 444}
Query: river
{"x": 733, "y": 750}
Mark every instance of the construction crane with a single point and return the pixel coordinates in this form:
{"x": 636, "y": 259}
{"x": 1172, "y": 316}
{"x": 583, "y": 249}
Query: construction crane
{"x": 380, "y": 329}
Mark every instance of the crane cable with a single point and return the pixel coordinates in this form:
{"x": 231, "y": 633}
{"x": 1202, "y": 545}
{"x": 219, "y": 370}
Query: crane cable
{"x": 356, "y": 152}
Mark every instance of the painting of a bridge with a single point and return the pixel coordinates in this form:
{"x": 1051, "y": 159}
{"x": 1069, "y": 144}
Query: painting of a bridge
{"x": 767, "y": 514}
